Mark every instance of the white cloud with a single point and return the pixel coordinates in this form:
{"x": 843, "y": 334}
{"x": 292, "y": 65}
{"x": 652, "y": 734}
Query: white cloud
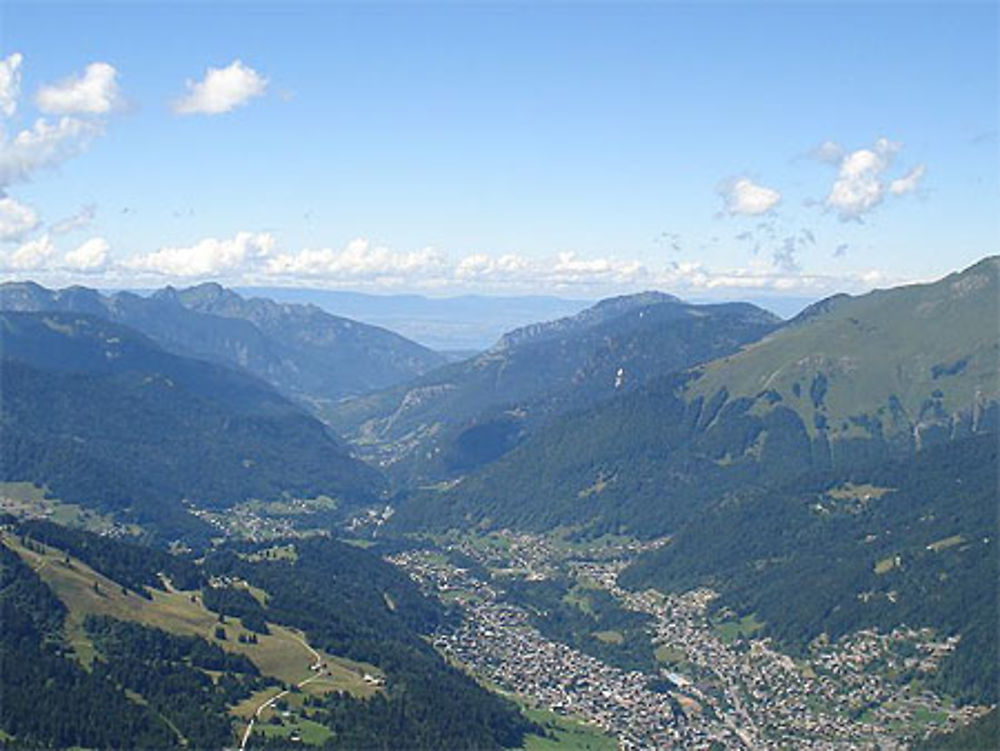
{"x": 32, "y": 255}
{"x": 359, "y": 259}
{"x": 90, "y": 256}
{"x": 482, "y": 266}
{"x": 95, "y": 92}
{"x": 859, "y": 186}
{"x": 908, "y": 182}
{"x": 208, "y": 257}
{"x": 49, "y": 142}
{"x": 16, "y": 219}
{"x": 566, "y": 269}
{"x": 10, "y": 83}
{"x": 45, "y": 144}
{"x": 828, "y": 152}
{"x": 79, "y": 220}
{"x": 221, "y": 90}
{"x": 569, "y": 267}
{"x": 743, "y": 196}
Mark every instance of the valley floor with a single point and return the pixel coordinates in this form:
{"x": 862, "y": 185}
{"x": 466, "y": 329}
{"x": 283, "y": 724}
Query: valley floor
{"x": 716, "y": 682}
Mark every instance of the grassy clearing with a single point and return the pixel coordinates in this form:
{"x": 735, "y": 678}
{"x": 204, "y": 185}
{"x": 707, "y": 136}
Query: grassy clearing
{"x": 745, "y": 627}
{"x": 596, "y": 489}
{"x": 565, "y": 734}
{"x": 24, "y": 492}
{"x": 886, "y": 565}
{"x": 275, "y": 553}
{"x": 609, "y": 637}
{"x": 862, "y": 493}
{"x": 357, "y": 542}
{"x": 666, "y": 653}
{"x": 282, "y": 654}
{"x": 947, "y": 542}
{"x": 579, "y": 599}
{"x": 291, "y": 507}
{"x": 308, "y": 732}
{"x": 27, "y": 501}
{"x": 924, "y": 716}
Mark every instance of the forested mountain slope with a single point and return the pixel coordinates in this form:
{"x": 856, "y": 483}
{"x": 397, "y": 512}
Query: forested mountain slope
{"x": 469, "y": 413}
{"x": 910, "y": 542}
{"x": 105, "y": 418}
{"x": 91, "y": 657}
{"x": 852, "y": 382}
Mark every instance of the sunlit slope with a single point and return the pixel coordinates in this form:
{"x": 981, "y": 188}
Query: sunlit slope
{"x": 282, "y": 653}
{"x": 895, "y": 363}
{"x": 852, "y": 382}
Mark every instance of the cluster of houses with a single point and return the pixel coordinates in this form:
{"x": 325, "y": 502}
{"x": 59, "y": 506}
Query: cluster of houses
{"x": 738, "y": 692}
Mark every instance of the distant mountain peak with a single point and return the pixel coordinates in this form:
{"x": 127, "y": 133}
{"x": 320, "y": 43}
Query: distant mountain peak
{"x": 637, "y": 299}
{"x": 597, "y": 313}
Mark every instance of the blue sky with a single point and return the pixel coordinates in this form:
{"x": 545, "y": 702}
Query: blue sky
{"x": 711, "y": 150}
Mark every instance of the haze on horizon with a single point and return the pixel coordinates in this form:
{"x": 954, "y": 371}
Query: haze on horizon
{"x": 739, "y": 151}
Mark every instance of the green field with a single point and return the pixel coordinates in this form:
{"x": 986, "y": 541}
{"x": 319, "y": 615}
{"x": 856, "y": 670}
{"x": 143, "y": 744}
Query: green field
{"x": 610, "y": 637}
{"x": 666, "y": 653}
{"x": 947, "y": 542}
{"x": 565, "y": 734}
{"x": 309, "y": 732}
{"x": 290, "y": 507}
{"x": 27, "y": 501}
{"x": 886, "y": 565}
{"x": 745, "y": 628}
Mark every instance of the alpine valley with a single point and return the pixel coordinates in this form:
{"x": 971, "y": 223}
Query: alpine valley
{"x": 231, "y": 522}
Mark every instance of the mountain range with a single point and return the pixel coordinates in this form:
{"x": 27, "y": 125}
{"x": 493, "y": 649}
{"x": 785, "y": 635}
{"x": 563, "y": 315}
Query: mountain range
{"x": 850, "y": 382}
{"x": 808, "y": 480}
{"x": 303, "y": 351}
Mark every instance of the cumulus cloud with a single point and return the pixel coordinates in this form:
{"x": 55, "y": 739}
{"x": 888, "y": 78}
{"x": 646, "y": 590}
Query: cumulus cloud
{"x": 32, "y": 255}
{"x": 221, "y": 90}
{"x": 94, "y": 92}
{"x": 360, "y": 259}
{"x": 45, "y": 144}
{"x": 90, "y": 256}
{"x": 16, "y": 219}
{"x": 10, "y": 83}
{"x": 569, "y": 267}
{"x": 208, "y": 257}
{"x": 481, "y": 266}
{"x": 860, "y": 183}
{"x": 252, "y": 258}
{"x": 908, "y": 182}
{"x": 743, "y": 196}
{"x": 79, "y": 220}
